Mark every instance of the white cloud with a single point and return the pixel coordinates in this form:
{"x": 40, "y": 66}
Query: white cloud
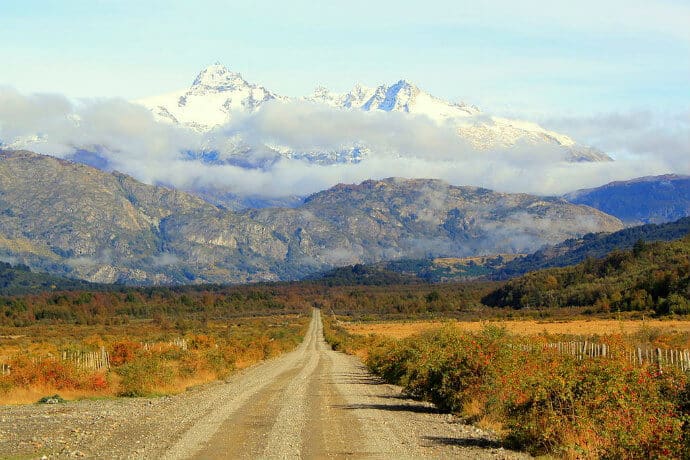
{"x": 131, "y": 141}
{"x": 165, "y": 259}
{"x": 654, "y": 140}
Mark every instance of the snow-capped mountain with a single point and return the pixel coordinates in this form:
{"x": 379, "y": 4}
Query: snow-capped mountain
{"x": 497, "y": 133}
{"x": 214, "y": 96}
{"x": 482, "y": 132}
{"x": 399, "y": 97}
{"x": 218, "y": 93}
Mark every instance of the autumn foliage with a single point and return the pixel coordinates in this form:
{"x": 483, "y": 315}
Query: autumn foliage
{"x": 145, "y": 358}
{"x": 537, "y": 398}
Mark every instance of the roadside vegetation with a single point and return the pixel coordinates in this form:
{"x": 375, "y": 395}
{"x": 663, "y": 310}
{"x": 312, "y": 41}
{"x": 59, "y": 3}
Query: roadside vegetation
{"x": 534, "y": 397}
{"x": 531, "y": 393}
{"x": 145, "y": 357}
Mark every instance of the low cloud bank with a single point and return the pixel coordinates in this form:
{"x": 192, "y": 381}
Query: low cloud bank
{"x": 125, "y": 137}
{"x": 641, "y": 133}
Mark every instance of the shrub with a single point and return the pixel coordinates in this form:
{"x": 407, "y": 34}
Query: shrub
{"x": 213, "y": 352}
{"x": 123, "y": 352}
{"x": 47, "y": 373}
{"x": 145, "y": 376}
{"x": 200, "y": 342}
{"x": 98, "y": 381}
{"x": 547, "y": 402}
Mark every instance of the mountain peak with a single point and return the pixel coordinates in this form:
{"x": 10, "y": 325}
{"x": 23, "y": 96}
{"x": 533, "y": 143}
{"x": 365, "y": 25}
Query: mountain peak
{"x": 398, "y": 97}
{"x": 321, "y": 92}
{"x": 219, "y": 77}
{"x": 402, "y": 83}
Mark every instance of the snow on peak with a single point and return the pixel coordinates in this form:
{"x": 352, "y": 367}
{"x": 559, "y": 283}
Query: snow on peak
{"x": 399, "y": 97}
{"x": 353, "y": 99}
{"x": 218, "y": 93}
{"x": 219, "y": 78}
{"x": 407, "y": 97}
{"x": 321, "y": 92}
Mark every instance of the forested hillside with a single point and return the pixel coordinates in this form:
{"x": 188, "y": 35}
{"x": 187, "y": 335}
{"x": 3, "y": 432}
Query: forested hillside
{"x": 19, "y": 279}
{"x": 650, "y": 276}
{"x": 594, "y": 245}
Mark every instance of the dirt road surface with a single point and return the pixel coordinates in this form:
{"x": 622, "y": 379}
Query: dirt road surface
{"x": 309, "y": 403}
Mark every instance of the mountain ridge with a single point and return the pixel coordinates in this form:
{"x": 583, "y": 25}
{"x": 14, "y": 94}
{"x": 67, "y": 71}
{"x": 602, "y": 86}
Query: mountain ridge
{"x": 73, "y": 220}
{"x": 649, "y": 199}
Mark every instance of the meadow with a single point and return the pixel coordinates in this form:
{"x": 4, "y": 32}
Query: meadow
{"x": 563, "y": 327}
{"x": 148, "y": 341}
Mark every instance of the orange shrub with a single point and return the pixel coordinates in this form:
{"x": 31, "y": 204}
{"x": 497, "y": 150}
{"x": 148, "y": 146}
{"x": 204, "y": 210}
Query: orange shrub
{"x": 123, "y": 352}
{"x": 98, "y": 381}
{"x": 202, "y": 341}
{"x": 48, "y": 373}
{"x": 213, "y": 351}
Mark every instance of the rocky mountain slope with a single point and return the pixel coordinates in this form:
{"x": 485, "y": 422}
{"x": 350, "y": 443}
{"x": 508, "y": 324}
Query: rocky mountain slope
{"x": 653, "y": 199}
{"x": 218, "y": 94}
{"x": 506, "y": 266}
{"x": 71, "y": 219}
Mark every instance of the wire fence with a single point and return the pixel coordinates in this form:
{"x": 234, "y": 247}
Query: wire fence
{"x": 99, "y": 359}
{"x": 640, "y": 355}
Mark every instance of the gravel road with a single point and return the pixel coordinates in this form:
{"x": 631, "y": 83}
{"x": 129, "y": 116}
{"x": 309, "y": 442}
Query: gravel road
{"x": 309, "y": 403}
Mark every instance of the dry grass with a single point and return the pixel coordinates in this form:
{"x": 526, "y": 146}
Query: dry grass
{"x": 525, "y": 327}
{"x": 479, "y": 260}
{"x": 33, "y": 394}
{"x": 215, "y": 350}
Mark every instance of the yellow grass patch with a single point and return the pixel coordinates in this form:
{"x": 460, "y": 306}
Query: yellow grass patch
{"x": 524, "y": 327}
{"x": 479, "y": 260}
{"x": 18, "y": 395}
{"x": 27, "y": 246}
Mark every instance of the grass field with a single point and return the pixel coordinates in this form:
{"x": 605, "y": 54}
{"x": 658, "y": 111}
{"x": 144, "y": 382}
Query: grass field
{"x": 526, "y": 327}
{"x": 147, "y": 357}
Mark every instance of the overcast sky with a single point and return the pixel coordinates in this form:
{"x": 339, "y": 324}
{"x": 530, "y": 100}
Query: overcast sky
{"x": 536, "y": 57}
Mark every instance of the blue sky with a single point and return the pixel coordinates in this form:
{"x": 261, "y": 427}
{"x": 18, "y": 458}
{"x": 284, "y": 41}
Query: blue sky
{"x": 527, "y": 57}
